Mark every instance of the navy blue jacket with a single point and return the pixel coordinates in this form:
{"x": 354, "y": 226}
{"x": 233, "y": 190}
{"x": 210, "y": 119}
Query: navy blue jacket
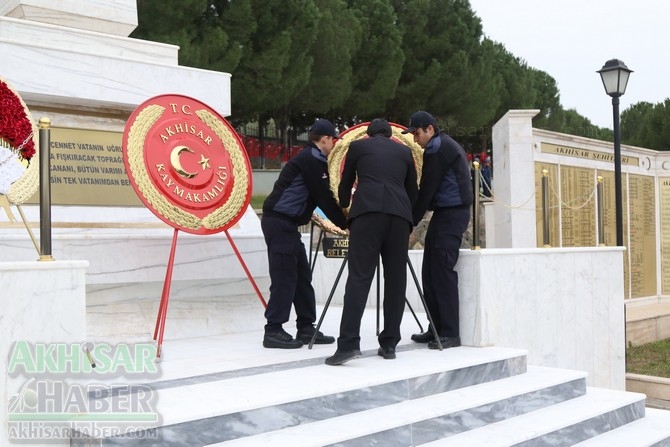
{"x": 302, "y": 185}
{"x": 445, "y": 179}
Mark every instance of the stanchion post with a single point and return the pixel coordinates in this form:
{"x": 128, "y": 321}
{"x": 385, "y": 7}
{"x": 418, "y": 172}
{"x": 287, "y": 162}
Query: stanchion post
{"x": 45, "y": 190}
{"x": 475, "y": 206}
{"x": 601, "y": 217}
{"x": 545, "y": 208}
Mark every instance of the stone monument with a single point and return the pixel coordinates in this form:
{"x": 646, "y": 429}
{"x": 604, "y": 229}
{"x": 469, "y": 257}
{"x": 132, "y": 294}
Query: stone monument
{"x": 74, "y": 63}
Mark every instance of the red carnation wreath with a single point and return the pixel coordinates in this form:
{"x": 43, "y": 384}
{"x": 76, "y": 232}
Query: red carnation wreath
{"x": 18, "y": 167}
{"x": 16, "y": 127}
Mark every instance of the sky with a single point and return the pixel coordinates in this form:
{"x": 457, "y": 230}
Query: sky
{"x": 572, "y": 39}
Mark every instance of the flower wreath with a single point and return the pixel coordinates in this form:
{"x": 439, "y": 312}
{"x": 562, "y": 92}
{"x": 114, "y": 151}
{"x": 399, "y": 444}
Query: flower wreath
{"x": 16, "y": 127}
{"x": 336, "y": 164}
{"x": 17, "y": 147}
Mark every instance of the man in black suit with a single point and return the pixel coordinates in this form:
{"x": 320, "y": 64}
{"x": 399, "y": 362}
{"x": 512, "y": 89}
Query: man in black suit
{"x": 380, "y": 222}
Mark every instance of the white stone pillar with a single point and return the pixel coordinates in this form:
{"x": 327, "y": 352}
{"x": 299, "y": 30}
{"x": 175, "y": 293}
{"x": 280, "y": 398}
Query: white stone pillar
{"x": 514, "y": 190}
{"x": 42, "y": 302}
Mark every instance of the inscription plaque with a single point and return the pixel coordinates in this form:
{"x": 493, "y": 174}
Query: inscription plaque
{"x": 578, "y": 205}
{"x": 87, "y": 169}
{"x": 642, "y": 238}
{"x": 664, "y": 205}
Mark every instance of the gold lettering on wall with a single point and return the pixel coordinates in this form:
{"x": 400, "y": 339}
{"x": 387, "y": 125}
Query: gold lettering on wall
{"x": 554, "y": 226}
{"x": 642, "y": 242}
{"x": 609, "y": 208}
{"x": 578, "y": 207}
{"x": 664, "y": 205}
{"x": 589, "y": 154}
{"x": 609, "y": 221}
{"x": 87, "y": 169}
{"x": 573, "y": 219}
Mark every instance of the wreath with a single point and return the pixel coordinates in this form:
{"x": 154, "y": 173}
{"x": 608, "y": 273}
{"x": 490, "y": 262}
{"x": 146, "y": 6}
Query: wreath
{"x": 19, "y": 171}
{"x": 357, "y": 132}
{"x": 336, "y": 164}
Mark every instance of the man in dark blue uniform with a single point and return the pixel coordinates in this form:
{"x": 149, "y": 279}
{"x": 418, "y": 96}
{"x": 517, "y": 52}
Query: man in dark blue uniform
{"x": 446, "y": 189}
{"x": 380, "y": 221}
{"x": 302, "y": 185}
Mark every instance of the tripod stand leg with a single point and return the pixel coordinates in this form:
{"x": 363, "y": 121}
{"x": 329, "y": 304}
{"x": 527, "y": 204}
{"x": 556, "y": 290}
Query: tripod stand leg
{"x": 312, "y": 261}
{"x": 423, "y": 301}
{"x": 414, "y": 314}
{"x": 162, "y": 310}
{"x": 330, "y": 297}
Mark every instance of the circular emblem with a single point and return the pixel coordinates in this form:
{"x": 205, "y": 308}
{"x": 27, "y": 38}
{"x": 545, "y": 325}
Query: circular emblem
{"x": 187, "y": 164}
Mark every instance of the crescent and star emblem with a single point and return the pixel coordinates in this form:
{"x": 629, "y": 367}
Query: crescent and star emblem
{"x": 175, "y": 161}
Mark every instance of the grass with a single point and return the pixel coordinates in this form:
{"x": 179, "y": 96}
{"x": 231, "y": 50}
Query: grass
{"x": 652, "y": 359}
{"x": 257, "y": 202}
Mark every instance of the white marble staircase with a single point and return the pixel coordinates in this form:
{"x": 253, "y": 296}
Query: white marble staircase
{"x": 228, "y": 391}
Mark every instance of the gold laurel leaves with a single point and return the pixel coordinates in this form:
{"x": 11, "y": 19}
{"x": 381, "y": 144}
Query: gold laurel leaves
{"x": 136, "y": 161}
{"x": 237, "y": 199}
{"x": 136, "y": 137}
{"x": 339, "y": 152}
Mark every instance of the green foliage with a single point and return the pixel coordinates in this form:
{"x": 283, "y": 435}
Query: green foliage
{"x": 377, "y": 60}
{"x": 354, "y": 60}
{"x": 515, "y": 86}
{"x": 573, "y": 123}
{"x": 277, "y": 62}
{"x": 444, "y": 68}
{"x": 547, "y": 99}
{"x": 647, "y": 125}
{"x": 330, "y": 84}
{"x": 210, "y": 33}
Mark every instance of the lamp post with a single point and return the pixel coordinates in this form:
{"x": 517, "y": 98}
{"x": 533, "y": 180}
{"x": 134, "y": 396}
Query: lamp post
{"x": 614, "y": 75}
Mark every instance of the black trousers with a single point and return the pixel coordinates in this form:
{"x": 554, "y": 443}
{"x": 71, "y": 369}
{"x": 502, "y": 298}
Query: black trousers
{"x": 290, "y": 274}
{"x": 372, "y": 235}
{"x": 439, "y": 279}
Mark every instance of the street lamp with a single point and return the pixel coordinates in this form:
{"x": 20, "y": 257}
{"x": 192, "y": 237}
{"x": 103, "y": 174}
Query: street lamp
{"x": 614, "y": 75}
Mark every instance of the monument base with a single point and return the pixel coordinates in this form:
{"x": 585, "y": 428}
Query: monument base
{"x": 564, "y": 305}
{"x": 43, "y": 302}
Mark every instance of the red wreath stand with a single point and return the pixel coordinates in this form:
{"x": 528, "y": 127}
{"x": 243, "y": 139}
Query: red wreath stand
{"x": 189, "y": 167}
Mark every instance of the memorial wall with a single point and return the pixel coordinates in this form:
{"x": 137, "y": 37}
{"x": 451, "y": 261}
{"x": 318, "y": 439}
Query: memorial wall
{"x": 573, "y": 210}
{"x": 664, "y": 211}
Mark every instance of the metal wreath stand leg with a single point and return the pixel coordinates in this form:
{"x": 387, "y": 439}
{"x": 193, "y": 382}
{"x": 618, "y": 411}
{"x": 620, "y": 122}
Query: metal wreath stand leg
{"x": 418, "y": 288}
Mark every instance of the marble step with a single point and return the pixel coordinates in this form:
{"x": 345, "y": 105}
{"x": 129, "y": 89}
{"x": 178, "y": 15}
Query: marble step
{"x": 652, "y": 430}
{"x": 363, "y": 383}
{"x": 425, "y": 419}
{"x": 565, "y": 424}
{"x": 232, "y": 403}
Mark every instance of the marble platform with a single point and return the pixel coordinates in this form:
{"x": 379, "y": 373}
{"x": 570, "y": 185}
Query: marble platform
{"x": 229, "y": 391}
{"x": 42, "y": 302}
{"x": 226, "y": 388}
{"x": 564, "y": 305}
{"x": 65, "y": 57}
{"x": 128, "y": 250}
